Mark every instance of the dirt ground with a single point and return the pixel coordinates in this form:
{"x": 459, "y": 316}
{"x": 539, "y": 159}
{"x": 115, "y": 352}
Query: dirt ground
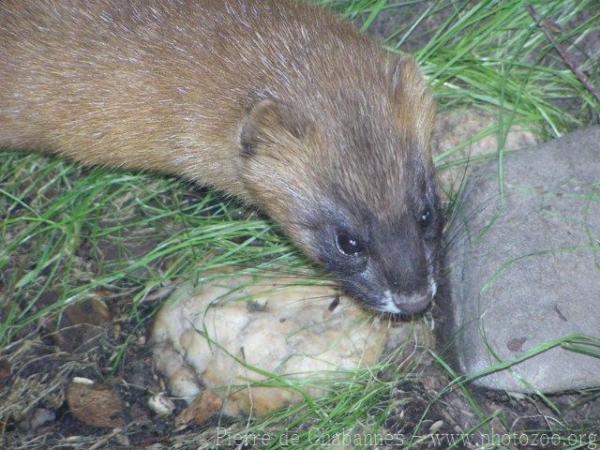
{"x": 45, "y": 404}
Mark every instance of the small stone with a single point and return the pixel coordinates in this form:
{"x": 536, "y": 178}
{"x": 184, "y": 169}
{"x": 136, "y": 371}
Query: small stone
{"x": 123, "y": 440}
{"x": 161, "y": 404}
{"x": 199, "y": 411}
{"x": 83, "y": 380}
{"x": 40, "y": 417}
{"x": 97, "y": 405}
{"x": 436, "y": 426}
{"x": 458, "y": 127}
{"x": 82, "y": 325}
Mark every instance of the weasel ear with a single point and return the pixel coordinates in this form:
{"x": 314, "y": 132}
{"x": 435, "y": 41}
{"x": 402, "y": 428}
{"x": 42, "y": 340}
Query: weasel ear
{"x": 413, "y": 102}
{"x": 268, "y": 122}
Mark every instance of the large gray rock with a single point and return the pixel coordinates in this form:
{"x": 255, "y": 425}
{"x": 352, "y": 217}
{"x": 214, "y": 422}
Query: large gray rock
{"x": 525, "y": 267}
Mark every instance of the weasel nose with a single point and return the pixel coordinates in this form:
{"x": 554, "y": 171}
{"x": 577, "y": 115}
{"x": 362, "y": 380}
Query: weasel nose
{"x": 412, "y": 304}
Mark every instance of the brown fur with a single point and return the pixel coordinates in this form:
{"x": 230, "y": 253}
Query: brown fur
{"x": 275, "y": 101}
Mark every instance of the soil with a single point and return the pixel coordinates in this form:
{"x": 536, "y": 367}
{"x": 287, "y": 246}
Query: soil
{"x": 37, "y": 375}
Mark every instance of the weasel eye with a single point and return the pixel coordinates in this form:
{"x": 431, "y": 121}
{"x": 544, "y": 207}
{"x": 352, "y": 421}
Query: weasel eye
{"x": 425, "y": 218}
{"x": 349, "y": 245}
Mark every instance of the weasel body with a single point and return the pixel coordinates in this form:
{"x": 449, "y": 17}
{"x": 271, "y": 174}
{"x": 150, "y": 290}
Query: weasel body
{"x": 274, "y": 101}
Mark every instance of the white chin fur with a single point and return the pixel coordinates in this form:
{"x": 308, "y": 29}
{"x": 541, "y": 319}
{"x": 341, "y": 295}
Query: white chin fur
{"x": 388, "y": 305}
{"x": 432, "y": 287}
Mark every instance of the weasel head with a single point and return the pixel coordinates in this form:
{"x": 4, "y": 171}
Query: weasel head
{"x": 351, "y": 181}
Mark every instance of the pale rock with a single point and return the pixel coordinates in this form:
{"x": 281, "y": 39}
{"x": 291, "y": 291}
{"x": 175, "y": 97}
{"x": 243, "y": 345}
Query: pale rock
{"x": 227, "y": 333}
{"x": 470, "y": 132}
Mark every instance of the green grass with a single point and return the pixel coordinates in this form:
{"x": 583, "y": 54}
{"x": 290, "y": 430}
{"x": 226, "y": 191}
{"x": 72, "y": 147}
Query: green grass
{"x": 57, "y": 220}
{"x": 53, "y": 213}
